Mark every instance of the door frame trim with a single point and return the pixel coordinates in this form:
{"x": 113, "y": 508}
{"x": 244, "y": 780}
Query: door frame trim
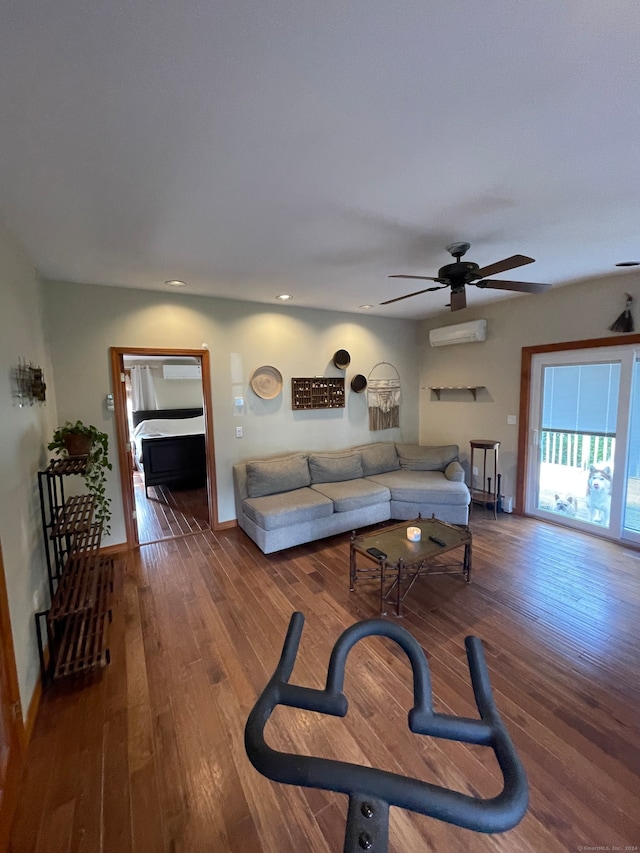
{"x": 119, "y": 397}
{"x": 18, "y": 732}
{"x": 525, "y": 394}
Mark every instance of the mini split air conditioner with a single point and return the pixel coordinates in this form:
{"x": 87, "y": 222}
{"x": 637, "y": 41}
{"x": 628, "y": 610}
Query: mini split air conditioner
{"x": 462, "y": 333}
{"x": 181, "y": 371}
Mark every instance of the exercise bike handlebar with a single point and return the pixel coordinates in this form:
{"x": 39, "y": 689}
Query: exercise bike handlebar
{"x": 496, "y": 814}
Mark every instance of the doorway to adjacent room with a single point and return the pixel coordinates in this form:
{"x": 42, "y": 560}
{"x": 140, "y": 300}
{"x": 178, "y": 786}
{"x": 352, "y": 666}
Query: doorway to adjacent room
{"x": 163, "y": 409}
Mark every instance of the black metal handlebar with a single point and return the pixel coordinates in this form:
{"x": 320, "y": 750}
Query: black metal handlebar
{"x": 372, "y": 790}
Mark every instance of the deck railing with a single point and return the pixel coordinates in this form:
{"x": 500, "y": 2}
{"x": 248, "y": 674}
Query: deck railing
{"x": 578, "y": 450}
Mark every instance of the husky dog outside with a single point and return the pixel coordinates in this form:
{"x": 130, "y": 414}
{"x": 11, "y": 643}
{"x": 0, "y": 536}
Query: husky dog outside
{"x": 599, "y": 494}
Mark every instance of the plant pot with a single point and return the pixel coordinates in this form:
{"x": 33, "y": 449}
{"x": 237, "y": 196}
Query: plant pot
{"x": 77, "y": 444}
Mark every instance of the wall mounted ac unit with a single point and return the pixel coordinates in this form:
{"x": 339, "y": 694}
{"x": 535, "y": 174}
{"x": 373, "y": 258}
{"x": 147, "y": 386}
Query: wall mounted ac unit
{"x": 462, "y": 333}
{"x": 181, "y": 371}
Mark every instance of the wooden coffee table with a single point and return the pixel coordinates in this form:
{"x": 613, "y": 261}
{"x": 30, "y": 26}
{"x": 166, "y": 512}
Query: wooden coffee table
{"x": 405, "y": 561}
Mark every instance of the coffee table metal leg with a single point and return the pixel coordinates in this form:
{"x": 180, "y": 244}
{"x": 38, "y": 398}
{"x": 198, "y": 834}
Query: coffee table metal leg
{"x": 467, "y": 562}
{"x": 383, "y": 600}
{"x": 398, "y": 590}
{"x": 352, "y": 565}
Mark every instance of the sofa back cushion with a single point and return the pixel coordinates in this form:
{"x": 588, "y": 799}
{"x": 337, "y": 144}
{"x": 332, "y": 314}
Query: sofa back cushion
{"x": 283, "y": 474}
{"x": 335, "y": 467}
{"x": 418, "y": 458}
{"x": 379, "y": 458}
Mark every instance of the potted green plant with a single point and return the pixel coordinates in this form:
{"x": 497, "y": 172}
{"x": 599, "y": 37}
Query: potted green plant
{"x": 81, "y": 440}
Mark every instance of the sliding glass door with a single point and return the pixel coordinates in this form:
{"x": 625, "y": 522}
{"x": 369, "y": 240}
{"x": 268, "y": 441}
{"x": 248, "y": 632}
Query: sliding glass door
{"x": 584, "y": 454}
{"x": 631, "y": 522}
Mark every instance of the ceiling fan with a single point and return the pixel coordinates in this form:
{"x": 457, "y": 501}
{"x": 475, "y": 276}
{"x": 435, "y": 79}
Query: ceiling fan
{"x": 461, "y": 273}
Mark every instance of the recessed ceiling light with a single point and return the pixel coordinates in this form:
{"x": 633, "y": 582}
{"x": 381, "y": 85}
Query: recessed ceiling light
{"x": 366, "y": 306}
{"x": 628, "y": 264}
{"x": 284, "y": 297}
{"x": 174, "y": 282}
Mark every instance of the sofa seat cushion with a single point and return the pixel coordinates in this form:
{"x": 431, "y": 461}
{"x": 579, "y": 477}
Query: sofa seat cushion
{"x": 423, "y": 487}
{"x": 353, "y": 494}
{"x": 300, "y": 505}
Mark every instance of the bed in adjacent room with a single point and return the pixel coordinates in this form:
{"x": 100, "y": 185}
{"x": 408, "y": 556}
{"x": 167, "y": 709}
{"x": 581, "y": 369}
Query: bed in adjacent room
{"x": 170, "y": 447}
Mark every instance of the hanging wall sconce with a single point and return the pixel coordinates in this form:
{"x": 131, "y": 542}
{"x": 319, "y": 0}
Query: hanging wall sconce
{"x": 29, "y": 385}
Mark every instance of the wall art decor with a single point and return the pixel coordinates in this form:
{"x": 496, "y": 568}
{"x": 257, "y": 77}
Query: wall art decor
{"x": 383, "y": 396}
{"x": 28, "y": 384}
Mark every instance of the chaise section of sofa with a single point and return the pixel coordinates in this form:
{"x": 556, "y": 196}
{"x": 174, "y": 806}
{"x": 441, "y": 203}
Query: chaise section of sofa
{"x": 428, "y": 481}
{"x": 288, "y": 500}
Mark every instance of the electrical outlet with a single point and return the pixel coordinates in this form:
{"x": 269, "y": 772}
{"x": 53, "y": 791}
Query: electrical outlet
{"x": 475, "y": 471}
{"x": 238, "y": 432}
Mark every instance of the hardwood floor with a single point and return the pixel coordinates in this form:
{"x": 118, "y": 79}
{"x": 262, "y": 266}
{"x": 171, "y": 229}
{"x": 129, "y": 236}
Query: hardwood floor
{"x": 149, "y": 758}
{"x": 167, "y": 513}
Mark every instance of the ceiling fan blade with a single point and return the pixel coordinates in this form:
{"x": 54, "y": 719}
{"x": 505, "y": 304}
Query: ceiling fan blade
{"x": 504, "y": 265}
{"x": 409, "y": 295}
{"x": 458, "y": 299}
{"x": 521, "y": 286}
{"x": 421, "y": 277}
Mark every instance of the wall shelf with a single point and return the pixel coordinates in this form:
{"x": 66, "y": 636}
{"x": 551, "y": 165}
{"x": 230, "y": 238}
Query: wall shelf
{"x": 472, "y": 389}
{"x": 318, "y": 392}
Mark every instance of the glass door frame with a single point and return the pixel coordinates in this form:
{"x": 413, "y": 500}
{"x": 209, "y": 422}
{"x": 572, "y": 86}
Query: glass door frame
{"x": 526, "y": 447}
{"x": 620, "y": 354}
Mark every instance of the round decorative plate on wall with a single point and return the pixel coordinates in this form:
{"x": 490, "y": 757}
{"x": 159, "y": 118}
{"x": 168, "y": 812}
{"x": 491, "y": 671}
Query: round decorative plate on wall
{"x": 341, "y": 359}
{"x": 358, "y": 383}
{"x": 266, "y": 382}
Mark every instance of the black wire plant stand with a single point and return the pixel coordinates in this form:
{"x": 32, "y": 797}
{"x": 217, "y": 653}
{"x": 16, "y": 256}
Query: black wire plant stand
{"x": 372, "y": 791}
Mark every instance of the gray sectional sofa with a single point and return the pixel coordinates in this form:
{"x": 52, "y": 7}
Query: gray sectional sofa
{"x": 287, "y": 500}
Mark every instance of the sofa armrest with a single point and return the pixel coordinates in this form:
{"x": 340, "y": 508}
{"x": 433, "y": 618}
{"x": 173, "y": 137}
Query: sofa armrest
{"x": 454, "y": 471}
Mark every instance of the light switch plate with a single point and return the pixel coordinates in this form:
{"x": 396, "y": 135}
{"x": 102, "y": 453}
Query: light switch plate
{"x": 512, "y": 419}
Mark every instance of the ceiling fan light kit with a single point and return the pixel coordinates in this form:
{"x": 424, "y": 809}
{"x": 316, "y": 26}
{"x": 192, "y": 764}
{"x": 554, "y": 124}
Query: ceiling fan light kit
{"x": 459, "y": 274}
{"x": 461, "y": 333}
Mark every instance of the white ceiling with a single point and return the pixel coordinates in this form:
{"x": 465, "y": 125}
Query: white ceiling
{"x": 316, "y": 147}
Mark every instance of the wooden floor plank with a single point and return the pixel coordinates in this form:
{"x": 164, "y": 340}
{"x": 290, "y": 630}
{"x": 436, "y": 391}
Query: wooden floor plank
{"x": 168, "y": 512}
{"x": 148, "y": 757}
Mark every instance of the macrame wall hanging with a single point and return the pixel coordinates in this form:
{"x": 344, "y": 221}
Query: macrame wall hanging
{"x": 383, "y": 396}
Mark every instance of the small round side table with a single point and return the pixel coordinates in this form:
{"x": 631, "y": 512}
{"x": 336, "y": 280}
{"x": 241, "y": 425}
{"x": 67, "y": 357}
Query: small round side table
{"x": 488, "y": 493}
